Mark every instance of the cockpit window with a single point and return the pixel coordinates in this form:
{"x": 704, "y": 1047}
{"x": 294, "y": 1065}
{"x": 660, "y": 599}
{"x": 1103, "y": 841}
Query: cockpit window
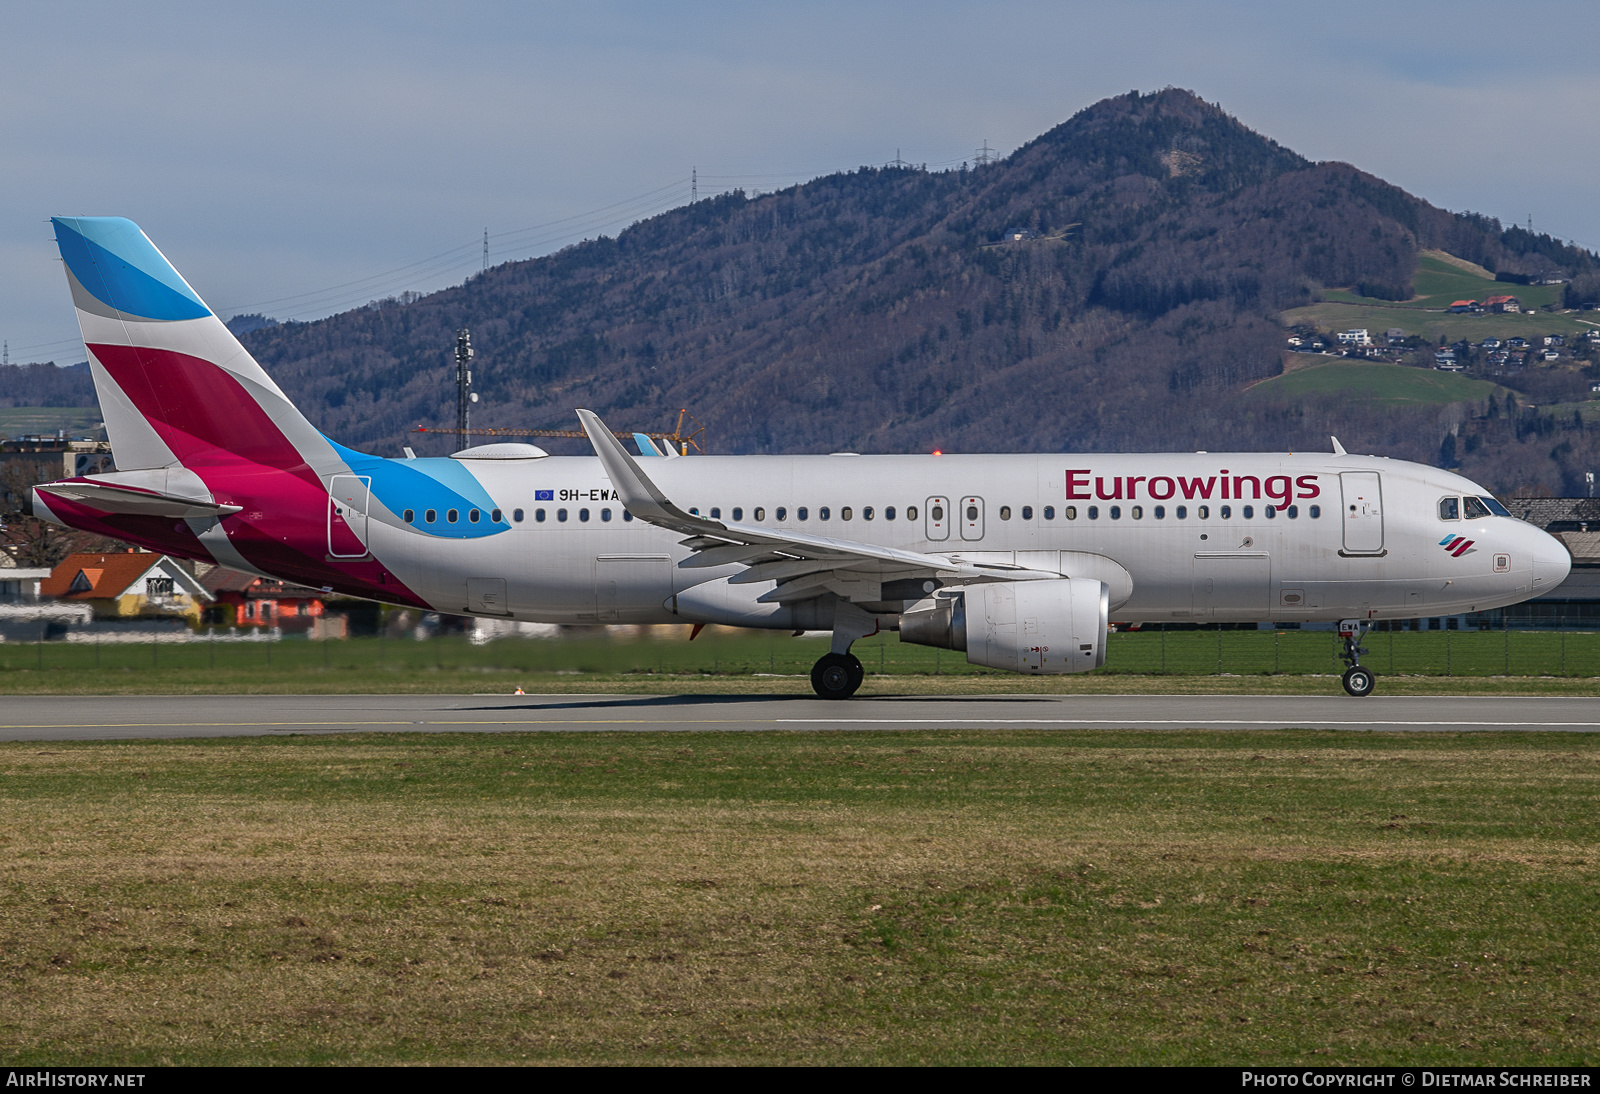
{"x": 1449, "y": 508}
{"x": 1495, "y": 507}
{"x": 1475, "y": 508}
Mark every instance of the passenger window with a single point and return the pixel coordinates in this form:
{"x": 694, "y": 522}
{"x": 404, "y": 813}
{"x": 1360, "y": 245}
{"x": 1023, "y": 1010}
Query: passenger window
{"x": 716, "y": 512}
{"x": 801, "y": 512}
{"x": 1249, "y": 511}
{"x": 783, "y": 514}
{"x": 605, "y": 514}
{"x": 846, "y": 513}
{"x": 1225, "y": 512}
{"x": 410, "y": 515}
{"x": 1027, "y": 512}
{"x": 911, "y": 512}
{"x": 583, "y": 515}
{"x": 1094, "y": 512}
{"x": 538, "y": 516}
{"x": 626, "y": 516}
{"x": 1270, "y": 511}
{"x": 473, "y": 515}
{"x": 866, "y": 513}
{"x": 1005, "y": 513}
{"x": 1293, "y": 511}
{"x": 1314, "y": 512}
{"x": 822, "y": 514}
{"x": 761, "y": 514}
{"x": 972, "y": 512}
{"x": 561, "y": 515}
{"x": 1116, "y": 512}
{"x": 1203, "y": 513}
{"x": 1475, "y": 508}
{"x": 1181, "y": 512}
{"x": 694, "y": 512}
{"x": 1138, "y": 512}
{"x": 1161, "y": 512}
{"x": 430, "y": 516}
{"x": 1049, "y": 512}
{"x": 1070, "y": 512}
{"x": 888, "y": 512}
{"x": 516, "y": 515}
{"x": 938, "y": 512}
{"x": 495, "y": 515}
{"x": 1449, "y": 508}
{"x": 738, "y": 513}
{"x": 452, "y": 515}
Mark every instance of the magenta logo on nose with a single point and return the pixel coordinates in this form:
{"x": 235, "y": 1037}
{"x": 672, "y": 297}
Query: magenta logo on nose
{"x": 1458, "y": 545}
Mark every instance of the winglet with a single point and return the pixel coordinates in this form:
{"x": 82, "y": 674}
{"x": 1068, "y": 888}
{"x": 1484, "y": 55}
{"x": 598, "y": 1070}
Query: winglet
{"x": 646, "y": 446}
{"x": 1338, "y": 449}
{"x": 640, "y": 496}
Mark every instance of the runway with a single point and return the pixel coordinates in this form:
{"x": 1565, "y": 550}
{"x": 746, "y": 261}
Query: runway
{"x": 92, "y": 718}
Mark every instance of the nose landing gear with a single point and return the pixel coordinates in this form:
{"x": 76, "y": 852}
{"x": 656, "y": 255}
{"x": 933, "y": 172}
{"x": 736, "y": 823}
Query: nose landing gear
{"x": 1358, "y": 681}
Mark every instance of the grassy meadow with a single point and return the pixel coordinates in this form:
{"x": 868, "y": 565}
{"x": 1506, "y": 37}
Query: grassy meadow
{"x": 910, "y": 898}
{"x": 1385, "y": 385}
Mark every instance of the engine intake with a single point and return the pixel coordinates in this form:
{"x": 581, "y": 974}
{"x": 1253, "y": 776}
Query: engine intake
{"x": 1022, "y": 626}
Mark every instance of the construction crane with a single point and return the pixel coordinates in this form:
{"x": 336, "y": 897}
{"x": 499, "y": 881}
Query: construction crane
{"x": 677, "y": 438}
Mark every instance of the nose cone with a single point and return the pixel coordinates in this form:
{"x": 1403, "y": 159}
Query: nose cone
{"x": 1551, "y": 563}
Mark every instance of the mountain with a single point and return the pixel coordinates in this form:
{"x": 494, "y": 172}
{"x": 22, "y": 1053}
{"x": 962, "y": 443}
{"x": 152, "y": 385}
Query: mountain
{"x": 1112, "y": 285}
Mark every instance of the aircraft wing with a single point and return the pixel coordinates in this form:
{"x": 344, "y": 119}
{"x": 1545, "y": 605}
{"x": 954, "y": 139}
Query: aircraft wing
{"x": 803, "y": 565}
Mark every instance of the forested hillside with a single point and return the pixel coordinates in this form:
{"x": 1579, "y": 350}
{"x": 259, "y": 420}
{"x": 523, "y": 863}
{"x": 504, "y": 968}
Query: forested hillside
{"x": 1112, "y": 285}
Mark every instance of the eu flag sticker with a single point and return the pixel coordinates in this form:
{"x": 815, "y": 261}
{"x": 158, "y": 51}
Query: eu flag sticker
{"x": 544, "y": 495}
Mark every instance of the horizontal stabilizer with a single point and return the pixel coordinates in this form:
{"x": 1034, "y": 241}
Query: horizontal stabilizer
{"x": 135, "y": 502}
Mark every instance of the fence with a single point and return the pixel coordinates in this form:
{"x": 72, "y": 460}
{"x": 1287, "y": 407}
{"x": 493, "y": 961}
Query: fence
{"x": 1152, "y": 650}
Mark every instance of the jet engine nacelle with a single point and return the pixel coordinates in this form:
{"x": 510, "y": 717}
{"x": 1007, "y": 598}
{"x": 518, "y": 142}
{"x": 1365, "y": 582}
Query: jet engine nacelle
{"x": 1019, "y": 626}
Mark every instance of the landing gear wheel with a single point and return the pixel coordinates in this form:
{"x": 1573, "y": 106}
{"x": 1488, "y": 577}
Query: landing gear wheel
{"x": 1359, "y": 682}
{"x": 837, "y": 675}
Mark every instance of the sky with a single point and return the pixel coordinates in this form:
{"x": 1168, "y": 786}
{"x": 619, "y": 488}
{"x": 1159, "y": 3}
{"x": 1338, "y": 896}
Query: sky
{"x": 299, "y": 159}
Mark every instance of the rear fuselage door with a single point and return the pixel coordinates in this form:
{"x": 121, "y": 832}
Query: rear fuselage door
{"x": 971, "y": 518}
{"x": 936, "y": 515}
{"x": 347, "y": 515}
{"x": 1363, "y": 512}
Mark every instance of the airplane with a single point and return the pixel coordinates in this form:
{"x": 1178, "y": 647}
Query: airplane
{"x": 1020, "y": 561}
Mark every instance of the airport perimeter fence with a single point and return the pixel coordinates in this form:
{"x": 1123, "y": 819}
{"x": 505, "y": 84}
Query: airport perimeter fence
{"x": 1151, "y": 650}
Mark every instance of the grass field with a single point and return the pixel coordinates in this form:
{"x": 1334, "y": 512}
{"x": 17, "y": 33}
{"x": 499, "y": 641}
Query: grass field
{"x": 1386, "y": 385}
{"x": 78, "y": 421}
{"x": 1440, "y": 280}
{"x": 1533, "y": 662}
{"x": 929, "y": 897}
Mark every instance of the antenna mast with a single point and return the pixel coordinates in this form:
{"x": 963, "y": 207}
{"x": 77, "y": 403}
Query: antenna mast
{"x": 486, "y": 250}
{"x": 694, "y": 185}
{"x": 464, "y": 396}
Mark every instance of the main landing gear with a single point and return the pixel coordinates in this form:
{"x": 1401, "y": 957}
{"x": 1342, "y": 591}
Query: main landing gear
{"x": 838, "y": 674}
{"x": 1358, "y": 681}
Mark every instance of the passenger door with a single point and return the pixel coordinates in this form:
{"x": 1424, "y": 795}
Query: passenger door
{"x": 1363, "y": 512}
{"x": 347, "y": 515}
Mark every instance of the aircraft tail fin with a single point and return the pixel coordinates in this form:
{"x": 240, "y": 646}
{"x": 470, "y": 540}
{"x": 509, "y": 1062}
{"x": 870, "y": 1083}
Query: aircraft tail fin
{"x": 175, "y": 386}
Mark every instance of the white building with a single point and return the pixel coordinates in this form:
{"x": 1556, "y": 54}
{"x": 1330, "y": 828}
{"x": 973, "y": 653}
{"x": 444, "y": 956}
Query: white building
{"x": 1357, "y": 337}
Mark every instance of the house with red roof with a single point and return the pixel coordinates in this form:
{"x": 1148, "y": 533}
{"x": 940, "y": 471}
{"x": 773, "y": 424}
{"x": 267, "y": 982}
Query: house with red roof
{"x": 245, "y": 600}
{"x": 127, "y": 585}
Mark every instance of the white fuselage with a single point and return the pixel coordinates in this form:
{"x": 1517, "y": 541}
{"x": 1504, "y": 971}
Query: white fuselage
{"x": 1280, "y": 537}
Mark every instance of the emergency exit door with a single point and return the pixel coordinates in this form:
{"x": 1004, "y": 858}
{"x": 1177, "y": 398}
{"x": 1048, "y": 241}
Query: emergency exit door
{"x": 971, "y": 514}
{"x": 1363, "y": 512}
{"x": 936, "y": 514}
